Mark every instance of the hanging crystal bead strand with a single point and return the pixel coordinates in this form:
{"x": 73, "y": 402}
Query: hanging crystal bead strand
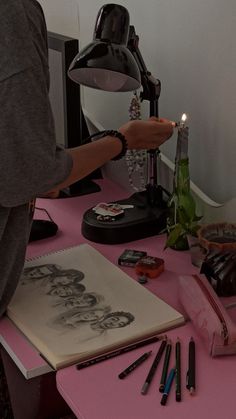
{"x": 136, "y": 159}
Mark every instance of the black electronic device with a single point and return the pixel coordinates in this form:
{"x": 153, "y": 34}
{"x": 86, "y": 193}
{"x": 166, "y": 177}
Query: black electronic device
{"x": 42, "y": 229}
{"x": 70, "y": 124}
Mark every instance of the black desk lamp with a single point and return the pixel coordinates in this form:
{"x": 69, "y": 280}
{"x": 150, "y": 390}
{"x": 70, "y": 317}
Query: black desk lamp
{"x": 113, "y": 62}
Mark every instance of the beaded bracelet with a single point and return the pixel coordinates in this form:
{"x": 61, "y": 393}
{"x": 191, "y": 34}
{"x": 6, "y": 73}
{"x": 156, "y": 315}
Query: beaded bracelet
{"x": 116, "y": 134}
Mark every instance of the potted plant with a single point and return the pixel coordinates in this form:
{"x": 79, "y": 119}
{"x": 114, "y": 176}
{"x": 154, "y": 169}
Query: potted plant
{"x": 187, "y": 225}
{"x": 184, "y": 234}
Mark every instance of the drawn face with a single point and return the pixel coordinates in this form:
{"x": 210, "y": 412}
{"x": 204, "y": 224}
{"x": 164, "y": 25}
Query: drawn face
{"x": 86, "y": 316}
{"x": 37, "y": 272}
{"x": 62, "y": 291}
{"x": 61, "y": 280}
{"x": 84, "y": 300}
{"x": 71, "y": 302}
{"x": 80, "y": 300}
{"x": 113, "y": 322}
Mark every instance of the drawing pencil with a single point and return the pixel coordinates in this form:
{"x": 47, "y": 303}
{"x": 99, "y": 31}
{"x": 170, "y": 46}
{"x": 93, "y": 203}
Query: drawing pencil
{"x": 153, "y": 367}
{"x": 111, "y": 354}
{"x": 134, "y": 365}
{"x": 165, "y": 367}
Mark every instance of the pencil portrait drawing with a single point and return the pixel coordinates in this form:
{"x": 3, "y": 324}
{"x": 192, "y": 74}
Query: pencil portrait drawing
{"x": 74, "y": 303}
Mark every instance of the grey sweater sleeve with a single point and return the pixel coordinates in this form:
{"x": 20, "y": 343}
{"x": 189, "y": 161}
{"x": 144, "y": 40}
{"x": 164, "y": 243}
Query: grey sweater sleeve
{"x": 30, "y": 162}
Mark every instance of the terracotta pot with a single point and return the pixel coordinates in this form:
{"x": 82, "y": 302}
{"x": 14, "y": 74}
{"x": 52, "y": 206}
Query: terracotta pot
{"x": 219, "y": 236}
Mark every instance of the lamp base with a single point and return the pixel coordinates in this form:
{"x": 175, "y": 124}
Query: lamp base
{"x": 143, "y": 220}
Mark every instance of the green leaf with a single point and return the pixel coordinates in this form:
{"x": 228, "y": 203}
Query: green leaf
{"x": 174, "y": 235}
{"x": 193, "y": 230}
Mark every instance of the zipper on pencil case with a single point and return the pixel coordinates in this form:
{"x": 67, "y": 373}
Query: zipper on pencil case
{"x": 216, "y": 308}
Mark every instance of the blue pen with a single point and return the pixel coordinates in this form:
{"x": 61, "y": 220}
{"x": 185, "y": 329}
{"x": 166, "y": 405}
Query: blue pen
{"x": 168, "y": 386}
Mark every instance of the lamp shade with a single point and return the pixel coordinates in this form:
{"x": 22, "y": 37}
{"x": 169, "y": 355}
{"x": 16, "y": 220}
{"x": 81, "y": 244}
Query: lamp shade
{"x": 106, "y": 63}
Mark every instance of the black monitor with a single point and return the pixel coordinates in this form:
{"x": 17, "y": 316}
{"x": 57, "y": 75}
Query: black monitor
{"x": 70, "y": 124}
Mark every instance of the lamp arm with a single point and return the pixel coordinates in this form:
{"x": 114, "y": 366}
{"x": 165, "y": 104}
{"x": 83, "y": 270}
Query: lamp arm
{"x": 151, "y": 92}
{"x": 151, "y": 85}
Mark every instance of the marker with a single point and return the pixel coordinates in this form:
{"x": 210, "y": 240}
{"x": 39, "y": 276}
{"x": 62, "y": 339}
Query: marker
{"x": 178, "y": 371}
{"x": 153, "y": 368}
{"x": 168, "y": 386}
{"x": 191, "y": 367}
{"x": 134, "y": 365}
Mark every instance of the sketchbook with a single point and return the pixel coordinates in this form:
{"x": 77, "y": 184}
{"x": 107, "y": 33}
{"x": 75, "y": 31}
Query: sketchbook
{"x": 74, "y": 305}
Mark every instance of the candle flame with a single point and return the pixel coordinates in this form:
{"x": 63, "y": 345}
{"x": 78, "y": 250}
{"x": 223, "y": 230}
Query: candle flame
{"x": 182, "y": 121}
{"x": 184, "y": 117}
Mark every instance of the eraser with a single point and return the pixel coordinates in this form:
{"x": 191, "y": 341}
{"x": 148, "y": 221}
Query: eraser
{"x": 150, "y": 266}
{"x": 130, "y": 257}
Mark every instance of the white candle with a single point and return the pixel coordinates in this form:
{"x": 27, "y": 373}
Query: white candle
{"x": 182, "y": 140}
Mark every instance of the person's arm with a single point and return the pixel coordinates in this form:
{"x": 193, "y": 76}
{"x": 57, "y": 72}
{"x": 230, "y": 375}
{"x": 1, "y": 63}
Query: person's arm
{"x": 148, "y": 134}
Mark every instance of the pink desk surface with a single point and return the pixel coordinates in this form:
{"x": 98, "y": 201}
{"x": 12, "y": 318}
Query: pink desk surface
{"x": 67, "y": 213}
{"x": 21, "y": 351}
{"x": 96, "y": 392}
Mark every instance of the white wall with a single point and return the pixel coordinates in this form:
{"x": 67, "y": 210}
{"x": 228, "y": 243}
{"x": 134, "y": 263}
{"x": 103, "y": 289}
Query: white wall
{"x": 190, "y": 46}
{"x": 62, "y": 16}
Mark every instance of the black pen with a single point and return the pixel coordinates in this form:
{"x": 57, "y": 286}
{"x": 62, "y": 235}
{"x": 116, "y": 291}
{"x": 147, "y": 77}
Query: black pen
{"x": 153, "y": 367}
{"x": 191, "y": 367}
{"x": 178, "y": 371}
{"x": 134, "y": 365}
{"x": 165, "y": 367}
